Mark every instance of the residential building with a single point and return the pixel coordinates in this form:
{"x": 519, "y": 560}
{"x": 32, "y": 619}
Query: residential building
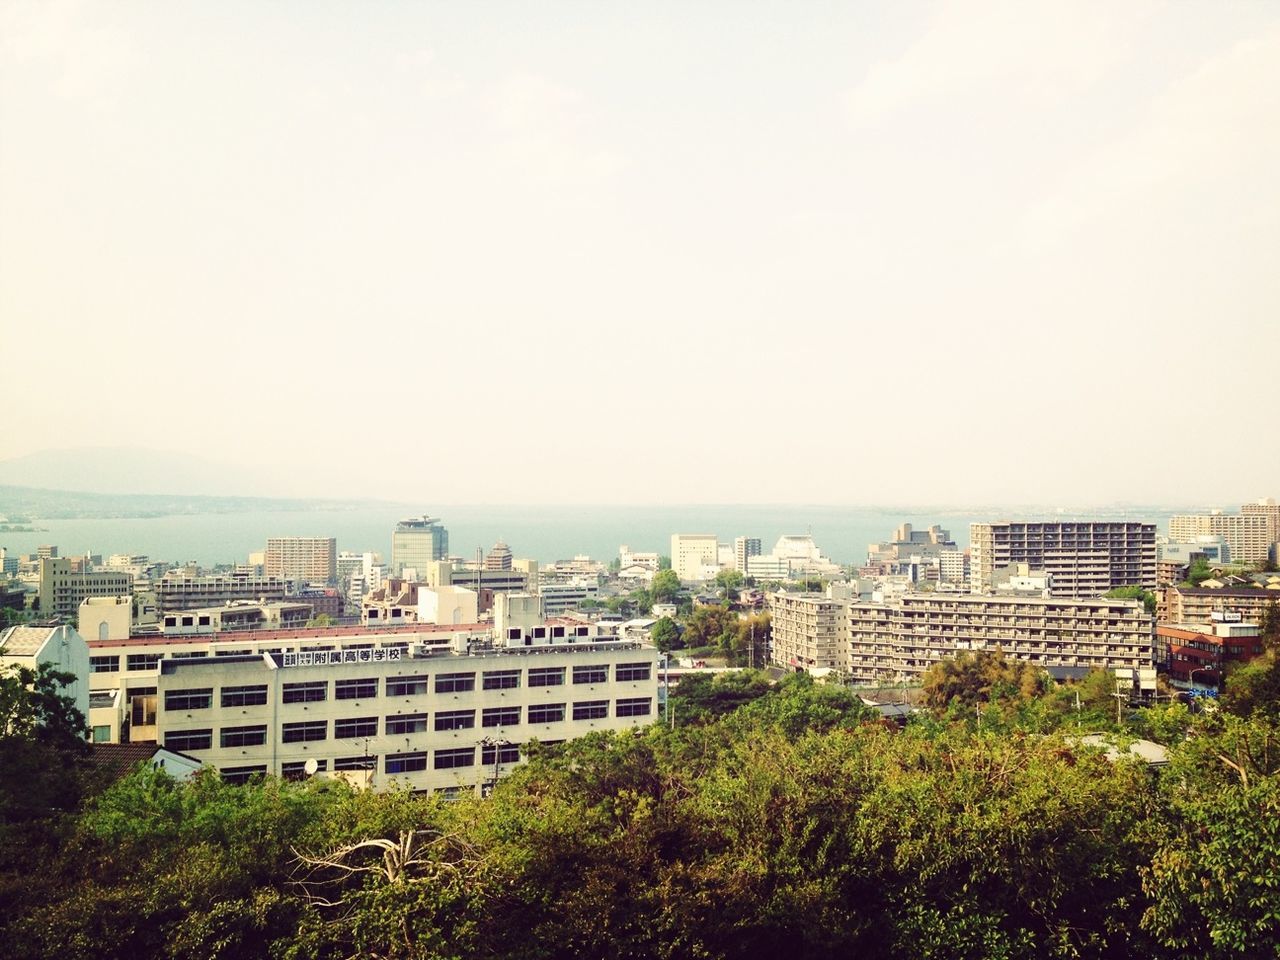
{"x": 1198, "y": 654}
{"x": 694, "y": 556}
{"x": 499, "y": 557}
{"x": 1247, "y": 535}
{"x": 63, "y": 588}
{"x": 809, "y": 632}
{"x": 953, "y": 566}
{"x": 905, "y": 635}
{"x": 305, "y": 559}
{"x": 416, "y": 542}
{"x": 431, "y": 708}
{"x": 744, "y": 548}
{"x": 1083, "y": 558}
{"x": 179, "y": 590}
{"x": 1269, "y": 508}
{"x": 1199, "y": 604}
{"x": 59, "y": 647}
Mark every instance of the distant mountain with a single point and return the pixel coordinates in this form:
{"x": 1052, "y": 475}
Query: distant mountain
{"x": 132, "y": 470}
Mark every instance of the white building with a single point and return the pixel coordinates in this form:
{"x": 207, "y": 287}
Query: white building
{"x": 695, "y": 556}
{"x": 767, "y": 567}
{"x": 1247, "y": 535}
{"x": 448, "y": 605}
{"x": 630, "y": 558}
{"x": 744, "y": 548}
{"x": 105, "y": 618}
{"x": 804, "y": 556}
{"x": 61, "y": 648}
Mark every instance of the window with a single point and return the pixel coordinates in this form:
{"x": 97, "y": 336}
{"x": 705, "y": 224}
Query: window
{"x": 632, "y": 671}
{"x": 406, "y": 686}
{"x": 104, "y": 664}
{"x": 591, "y": 709}
{"x": 455, "y": 719}
{"x": 361, "y": 689}
{"x": 189, "y": 740}
{"x": 500, "y": 717}
{"x": 462, "y": 757}
{"x": 102, "y": 734}
{"x": 254, "y": 736}
{"x": 407, "y": 723}
{"x": 142, "y": 706}
{"x": 142, "y": 661}
{"x": 359, "y": 727}
{"x": 242, "y": 774}
{"x": 455, "y": 682}
{"x": 501, "y": 753}
{"x": 546, "y": 712}
{"x": 252, "y": 695}
{"x": 598, "y": 673}
{"x": 311, "y": 691}
{"x": 501, "y": 679}
{"x": 297, "y": 769}
{"x": 355, "y": 763}
{"x": 546, "y": 676}
{"x": 200, "y": 699}
{"x": 406, "y": 762}
{"x": 634, "y": 707}
{"x": 304, "y": 731}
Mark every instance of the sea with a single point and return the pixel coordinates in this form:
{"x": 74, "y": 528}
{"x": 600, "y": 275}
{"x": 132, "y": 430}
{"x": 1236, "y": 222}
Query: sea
{"x": 544, "y": 533}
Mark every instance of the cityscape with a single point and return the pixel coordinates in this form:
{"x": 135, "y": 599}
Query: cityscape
{"x": 696, "y": 482}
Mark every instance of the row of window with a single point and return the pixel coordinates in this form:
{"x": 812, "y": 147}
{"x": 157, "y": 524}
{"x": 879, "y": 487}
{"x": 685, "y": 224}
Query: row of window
{"x": 392, "y": 764}
{"x": 307, "y": 731}
{"x": 364, "y": 688}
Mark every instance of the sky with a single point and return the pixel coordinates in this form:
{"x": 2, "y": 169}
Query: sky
{"x": 643, "y": 253}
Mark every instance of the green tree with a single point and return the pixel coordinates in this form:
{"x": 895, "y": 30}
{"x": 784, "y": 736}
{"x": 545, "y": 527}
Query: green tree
{"x": 42, "y": 744}
{"x": 666, "y": 635}
{"x": 1147, "y": 597}
{"x": 728, "y": 580}
{"x": 971, "y": 679}
{"x": 664, "y": 562}
{"x": 1254, "y": 687}
{"x": 321, "y": 620}
{"x": 665, "y": 586}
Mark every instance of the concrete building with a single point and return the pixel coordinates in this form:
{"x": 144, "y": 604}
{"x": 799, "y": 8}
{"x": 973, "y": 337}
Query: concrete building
{"x": 1195, "y": 654}
{"x": 1247, "y": 535}
{"x": 1269, "y": 508}
{"x": 908, "y": 542}
{"x": 766, "y": 568}
{"x": 499, "y": 557}
{"x": 447, "y": 606}
{"x": 809, "y": 632}
{"x": 416, "y": 542}
{"x": 631, "y": 558}
{"x": 451, "y": 573}
{"x": 1083, "y": 558}
{"x": 560, "y": 597}
{"x": 744, "y": 548}
{"x": 695, "y": 556}
{"x": 805, "y": 558}
{"x": 63, "y": 588}
{"x": 178, "y": 590}
{"x": 242, "y": 615}
{"x": 1173, "y": 560}
{"x": 1201, "y": 604}
{"x": 61, "y": 648}
{"x": 105, "y": 618}
{"x": 904, "y": 636}
{"x": 433, "y": 708}
{"x": 305, "y": 559}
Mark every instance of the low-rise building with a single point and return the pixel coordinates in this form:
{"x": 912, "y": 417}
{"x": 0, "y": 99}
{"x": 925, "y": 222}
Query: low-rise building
{"x": 183, "y": 590}
{"x": 243, "y": 615}
{"x": 1200, "y": 604}
{"x": 58, "y": 647}
{"x": 1195, "y": 653}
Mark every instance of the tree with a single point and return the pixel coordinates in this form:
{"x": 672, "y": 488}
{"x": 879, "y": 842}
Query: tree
{"x": 42, "y": 742}
{"x": 321, "y": 620}
{"x": 664, "y": 563}
{"x": 665, "y": 586}
{"x": 728, "y": 580}
{"x": 1254, "y": 687}
{"x": 1198, "y": 572}
{"x": 666, "y": 635}
{"x": 971, "y": 679}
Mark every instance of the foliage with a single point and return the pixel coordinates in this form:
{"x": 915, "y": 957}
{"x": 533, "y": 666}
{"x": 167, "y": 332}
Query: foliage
{"x": 321, "y": 620}
{"x": 1147, "y": 597}
{"x": 1197, "y": 573}
{"x": 971, "y": 679}
{"x": 665, "y": 586}
{"x": 666, "y": 635}
{"x": 728, "y": 580}
{"x": 42, "y": 741}
{"x": 1254, "y": 687}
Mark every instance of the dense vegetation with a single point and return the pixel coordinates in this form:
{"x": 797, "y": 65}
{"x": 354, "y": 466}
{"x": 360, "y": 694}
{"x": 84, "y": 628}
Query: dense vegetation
{"x": 775, "y": 819}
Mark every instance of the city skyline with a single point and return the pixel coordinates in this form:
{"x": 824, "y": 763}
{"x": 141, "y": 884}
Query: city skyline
{"x": 759, "y": 247}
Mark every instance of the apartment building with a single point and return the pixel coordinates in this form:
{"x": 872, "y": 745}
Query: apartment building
{"x": 695, "y": 556}
{"x": 1247, "y": 535}
{"x": 744, "y": 548}
{"x": 436, "y": 708}
{"x": 307, "y": 559}
{"x": 1201, "y": 604}
{"x": 415, "y": 543}
{"x": 179, "y": 590}
{"x": 809, "y": 631}
{"x": 63, "y": 587}
{"x": 1083, "y": 558}
{"x": 1269, "y": 508}
{"x": 904, "y": 636}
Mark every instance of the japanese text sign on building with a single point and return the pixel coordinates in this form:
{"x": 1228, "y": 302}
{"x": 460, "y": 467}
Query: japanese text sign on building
{"x": 328, "y": 658}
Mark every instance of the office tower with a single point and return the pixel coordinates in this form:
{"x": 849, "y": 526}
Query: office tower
{"x": 415, "y": 543}
{"x": 694, "y": 556}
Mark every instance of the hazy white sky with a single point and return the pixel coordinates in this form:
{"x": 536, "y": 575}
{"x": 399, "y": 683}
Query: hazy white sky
{"x": 605, "y": 252}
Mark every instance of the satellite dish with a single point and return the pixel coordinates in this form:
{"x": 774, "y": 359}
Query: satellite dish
{"x": 311, "y": 766}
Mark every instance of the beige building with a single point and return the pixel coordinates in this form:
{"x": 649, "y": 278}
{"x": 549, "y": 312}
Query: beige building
{"x": 809, "y": 631}
{"x": 434, "y": 708}
{"x": 309, "y": 559}
{"x": 1247, "y": 535}
{"x": 1199, "y": 604}
{"x": 1269, "y": 508}
{"x": 1082, "y": 558}
{"x": 695, "y": 556}
{"x": 181, "y": 591}
{"x": 63, "y": 588}
{"x": 105, "y": 618}
{"x": 903, "y": 637}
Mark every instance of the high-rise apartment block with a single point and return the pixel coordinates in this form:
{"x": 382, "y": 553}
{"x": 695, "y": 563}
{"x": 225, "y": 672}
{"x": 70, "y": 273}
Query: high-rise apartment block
{"x": 416, "y": 542}
{"x": 309, "y": 559}
{"x": 744, "y": 548}
{"x": 1248, "y": 535}
{"x": 694, "y": 556}
{"x": 1083, "y": 558}
{"x": 1269, "y": 508}
{"x": 808, "y": 632}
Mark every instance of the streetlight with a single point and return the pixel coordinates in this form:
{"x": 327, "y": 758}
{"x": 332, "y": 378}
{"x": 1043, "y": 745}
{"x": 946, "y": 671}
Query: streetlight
{"x": 495, "y": 744}
{"x": 1191, "y": 676}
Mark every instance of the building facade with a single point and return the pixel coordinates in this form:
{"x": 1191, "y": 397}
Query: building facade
{"x": 63, "y": 588}
{"x": 1247, "y": 535}
{"x": 808, "y": 632}
{"x": 694, "y": 556}
{"x": 1204, "y": 604}
{"x": 179, "y": 591}
{"x": 416, "y": 542}
{"x": 308, "y": 559}
{"x": 1199, "y": 654}
{"x": 1083, "y": 558}
{"x": 744, "y": 548}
